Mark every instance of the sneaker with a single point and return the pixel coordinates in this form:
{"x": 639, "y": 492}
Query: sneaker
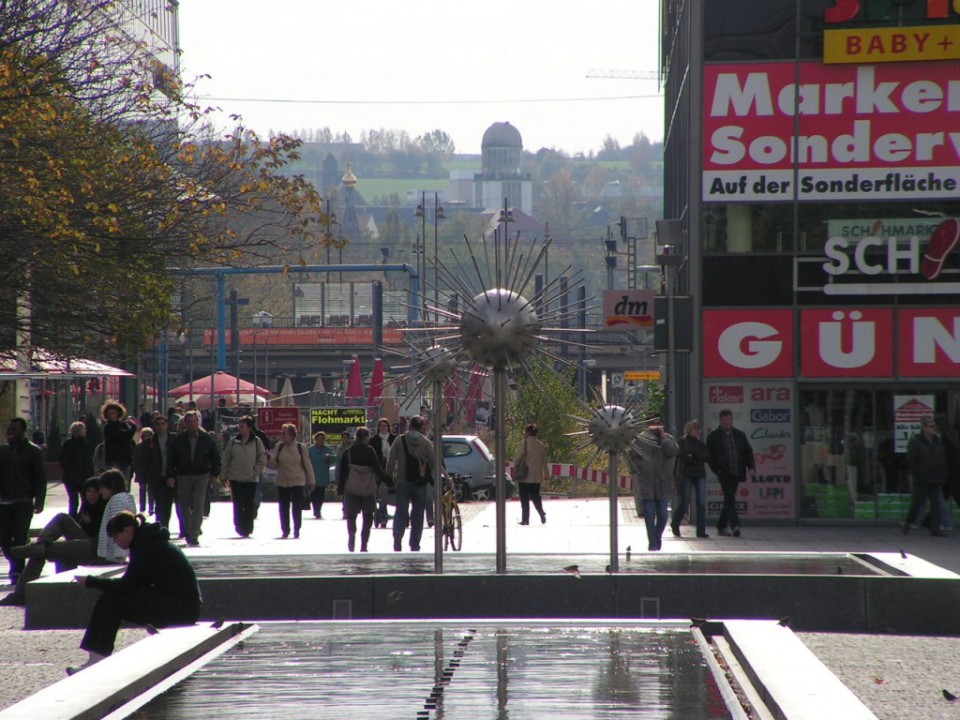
{"x": 942, "y": 243}
{"x": 725, "y": 532}
{"x": 702, "y": 535}
{"x": 13, "y": 600}
{"x": 736, "y": 532}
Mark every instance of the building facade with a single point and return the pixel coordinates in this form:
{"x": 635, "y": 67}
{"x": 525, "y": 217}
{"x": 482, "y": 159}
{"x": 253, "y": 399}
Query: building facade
{"x": 812, "y": 160}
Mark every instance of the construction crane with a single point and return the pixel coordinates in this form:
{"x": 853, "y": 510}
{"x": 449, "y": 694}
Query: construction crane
{"x": 625, "y": 74}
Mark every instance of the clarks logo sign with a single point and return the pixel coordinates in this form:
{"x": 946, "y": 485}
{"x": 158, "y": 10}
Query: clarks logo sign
{"x": 899, "y": 43}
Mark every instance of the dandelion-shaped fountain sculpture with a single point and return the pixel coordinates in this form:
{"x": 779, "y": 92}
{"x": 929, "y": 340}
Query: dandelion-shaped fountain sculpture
{"x": 494, "y": 326}
{"x": 613, "y": 430}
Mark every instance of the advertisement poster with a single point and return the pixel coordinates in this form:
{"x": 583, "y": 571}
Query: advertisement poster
{"x": 334, "y": 420}
{"x": 272, "y": 420}
{"x": 765, "y": 412}
{"x": 907, "y": 411}
{"x": 865, "y": 132}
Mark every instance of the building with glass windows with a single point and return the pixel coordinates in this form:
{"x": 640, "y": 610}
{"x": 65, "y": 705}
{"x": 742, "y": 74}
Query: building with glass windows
{"x": 812, "y": 155}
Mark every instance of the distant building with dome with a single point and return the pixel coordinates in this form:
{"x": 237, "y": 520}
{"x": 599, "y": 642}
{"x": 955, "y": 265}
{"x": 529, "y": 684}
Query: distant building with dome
{"x": 501, "y": 174}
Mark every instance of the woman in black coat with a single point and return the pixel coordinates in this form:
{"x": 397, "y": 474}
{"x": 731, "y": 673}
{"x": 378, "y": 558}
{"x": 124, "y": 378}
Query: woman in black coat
{"x": 159, "y": 587}
{"x": 692, "y": 479}
{"x": 76, "y": 465}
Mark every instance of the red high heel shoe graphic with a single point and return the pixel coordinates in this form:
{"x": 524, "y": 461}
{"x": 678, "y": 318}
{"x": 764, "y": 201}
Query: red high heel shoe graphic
{"x": 942, "y": 243}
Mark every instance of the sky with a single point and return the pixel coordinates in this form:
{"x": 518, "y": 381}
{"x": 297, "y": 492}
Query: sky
{"x": 425, "y": 65}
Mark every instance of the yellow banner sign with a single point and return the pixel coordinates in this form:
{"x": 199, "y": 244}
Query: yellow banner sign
{"x": 903, "y": 44}
{"x": 637, "y": 375}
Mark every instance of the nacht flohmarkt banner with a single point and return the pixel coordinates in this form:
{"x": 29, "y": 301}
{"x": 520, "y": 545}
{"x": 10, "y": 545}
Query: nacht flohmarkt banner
{"x": 864, "y": 132}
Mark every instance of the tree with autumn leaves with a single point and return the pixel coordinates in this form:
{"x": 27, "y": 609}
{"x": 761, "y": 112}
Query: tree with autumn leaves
{"x": 110, "y": 177}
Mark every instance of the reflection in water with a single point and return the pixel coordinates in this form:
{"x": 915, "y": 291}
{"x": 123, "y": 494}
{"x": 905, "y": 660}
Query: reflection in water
{"x": 467, "y": 564}
{"x": 554, "y": 671}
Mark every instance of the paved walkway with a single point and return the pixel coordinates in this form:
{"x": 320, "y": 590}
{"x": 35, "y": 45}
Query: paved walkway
{"x": 30, "y": 660}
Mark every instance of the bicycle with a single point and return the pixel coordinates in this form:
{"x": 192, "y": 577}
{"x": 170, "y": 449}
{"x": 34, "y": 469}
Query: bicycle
{"x": 452, "y": 525}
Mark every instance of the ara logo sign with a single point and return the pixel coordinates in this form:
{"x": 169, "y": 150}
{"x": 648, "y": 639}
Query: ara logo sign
{"x": 847, "y": 343}
{"x": 754, "y": 343}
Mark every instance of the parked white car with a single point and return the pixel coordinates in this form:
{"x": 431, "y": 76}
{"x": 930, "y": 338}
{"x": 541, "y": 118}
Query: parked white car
{"x": 469, "y": 457}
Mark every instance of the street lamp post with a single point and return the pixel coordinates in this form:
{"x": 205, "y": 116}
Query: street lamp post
{"x": 422, "y": 245}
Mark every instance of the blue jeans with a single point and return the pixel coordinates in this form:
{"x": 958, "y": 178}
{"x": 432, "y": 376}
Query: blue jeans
{"x": 408, "y": 494}
{"x": 692, "y": 485}
{"x": 655, "y": 518}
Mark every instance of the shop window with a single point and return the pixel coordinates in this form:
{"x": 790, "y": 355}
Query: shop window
{"x": 753, "y": 280}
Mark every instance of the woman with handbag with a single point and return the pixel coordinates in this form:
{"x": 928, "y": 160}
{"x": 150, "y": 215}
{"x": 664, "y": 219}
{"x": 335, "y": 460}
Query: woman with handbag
{"x": 529, "y": 470}
{"x": 358, "y": 475}
{"x": 294, "y": 478}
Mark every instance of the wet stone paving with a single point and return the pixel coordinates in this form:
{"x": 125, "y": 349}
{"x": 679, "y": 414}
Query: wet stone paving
{"x": 459, "y": 671}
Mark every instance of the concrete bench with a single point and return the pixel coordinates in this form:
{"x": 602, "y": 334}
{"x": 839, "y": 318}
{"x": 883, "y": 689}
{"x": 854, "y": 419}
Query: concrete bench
{"x": 57, "y": 602}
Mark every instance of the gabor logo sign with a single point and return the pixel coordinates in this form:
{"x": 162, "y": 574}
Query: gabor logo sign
{"x": 757, "y": 343}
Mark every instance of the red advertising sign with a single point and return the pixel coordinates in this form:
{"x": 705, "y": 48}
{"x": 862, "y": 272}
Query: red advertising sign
{"x": 866, "y": 132}
{"x": 271, "y": 420}
{"x": 930, "y": 342}
{"x": 846, "y": 343}
{"x": 748, "y": 343}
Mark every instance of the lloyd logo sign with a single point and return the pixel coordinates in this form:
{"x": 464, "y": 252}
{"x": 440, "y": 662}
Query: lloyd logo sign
{"x": 849, "y": 342}
{"x": 913, "y": 38}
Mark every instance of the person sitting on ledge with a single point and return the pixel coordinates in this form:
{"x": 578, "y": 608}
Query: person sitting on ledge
{"x": 158, "y": 589}
{"x": 79, "y": 543}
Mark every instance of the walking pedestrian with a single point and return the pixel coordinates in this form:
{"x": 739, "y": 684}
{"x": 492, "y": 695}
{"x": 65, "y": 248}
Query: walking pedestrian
{"x": 244, "y": 458}
{"x": 731, "y": 459}
{"x": 653, "y": 457}
{"x": 23, "y": 490}
{"x": 295, "y": 479}
{"x": 381, "y": 443}
{"x": 118, "y": 437}
{"x": 691, "y": 469}
{"x": 927, "y": 460}
{"x": 158, "y": 476}
{"x": 76, "y": 465}
{"x": 194, "y": 464}
{"x": 533, "y": 455}
{"x": 410, "y": 464}
{"x": 322, "y": 457}
{"x": 358, "y": 476}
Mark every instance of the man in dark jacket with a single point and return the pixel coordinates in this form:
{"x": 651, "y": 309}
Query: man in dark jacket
{"x": 159, "y": 587}
{"x": 927, "y": 461}
{"x": 23, "y": 489}
{"x": 194, "y": 462}
{"x": 731, "y": 458}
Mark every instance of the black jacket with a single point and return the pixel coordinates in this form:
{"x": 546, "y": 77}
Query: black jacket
{"x": 927, "y": 460}
{"x": 718, "y": 456}
{"x": 693, "y": 455}
{"x": 23, "y": 475}
{"x": 118, "y": 443}
{"x": 157, "y": 566}
{"x": 382, "y": 449}
{"x": 75, "y": 461}
{"x": 205, "y": 459}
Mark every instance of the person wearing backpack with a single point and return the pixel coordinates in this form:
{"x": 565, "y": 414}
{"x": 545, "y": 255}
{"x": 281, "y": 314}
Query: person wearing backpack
{"x": 294, "y": 478}
{"x": 410, "y": 464}
{"x": 358, "y": 475}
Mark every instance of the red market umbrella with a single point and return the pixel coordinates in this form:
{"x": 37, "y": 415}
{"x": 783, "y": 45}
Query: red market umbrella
{"x": 220, "y": 383}
{"x": 355, "y": 382}
{"x": 376, "y": 384}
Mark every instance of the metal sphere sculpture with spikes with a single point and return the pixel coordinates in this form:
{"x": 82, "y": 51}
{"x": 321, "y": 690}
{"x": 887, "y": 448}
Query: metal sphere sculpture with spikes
{"x": 612, "y": 428}
{"x": 500, "y": 329}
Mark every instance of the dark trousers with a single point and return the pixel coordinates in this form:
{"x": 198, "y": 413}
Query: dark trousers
{"x": 355, "y": 506}
{"x": 655, "y": 521}
{"x": 163, "y": 496}
{"x": 290, "y": 498}
{"x": 411, "y": 503}
{"x": 243, "y": 494}
{"x": 921, "y": 493}
{"x": 690, "y": 486}
{"x": 529, "y": 492}
{"x": 15, "y": 520}
{"x": 728, "y": 514}
{"x": 316, "y": 499}
{"x": 74, "y": 492}
{"x": 139, "y": 608}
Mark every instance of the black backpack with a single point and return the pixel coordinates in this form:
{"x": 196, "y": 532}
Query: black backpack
{"x": 417, "y": 472}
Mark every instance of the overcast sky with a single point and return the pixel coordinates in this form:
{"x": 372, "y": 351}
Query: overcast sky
{"x": 419, "y": 66}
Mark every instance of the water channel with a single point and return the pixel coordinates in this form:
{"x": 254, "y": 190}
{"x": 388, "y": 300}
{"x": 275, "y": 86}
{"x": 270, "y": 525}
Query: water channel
{"x": 451, "y": 669}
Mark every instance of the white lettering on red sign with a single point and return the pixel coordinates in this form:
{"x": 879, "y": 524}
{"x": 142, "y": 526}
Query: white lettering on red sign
{"x": 747, "y": 345}
{"x": 847, "y": 343}
{"x": 754, "y": 343}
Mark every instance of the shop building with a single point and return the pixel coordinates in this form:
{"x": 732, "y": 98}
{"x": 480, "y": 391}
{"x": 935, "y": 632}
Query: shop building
{"x": 812, "y": 155}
